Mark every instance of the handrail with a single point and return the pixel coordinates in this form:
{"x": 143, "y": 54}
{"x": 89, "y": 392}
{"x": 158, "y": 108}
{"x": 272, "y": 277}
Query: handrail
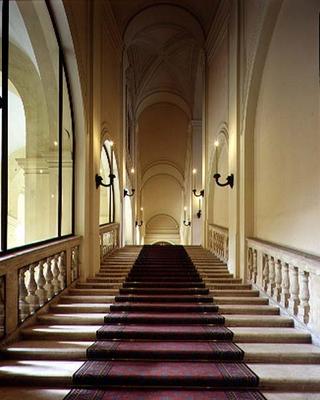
{"x": 288, "y": 276}
{"x": 218, "y": 241}
{"x": 309, "y": 261}
{"x": 109, "y": 239}
{"x": 31, "y": 278}
{"x": 219, "y": 228}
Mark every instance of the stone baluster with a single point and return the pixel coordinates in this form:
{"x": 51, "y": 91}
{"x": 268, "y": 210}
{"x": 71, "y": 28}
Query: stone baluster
{"x": 73, "y": 272}
{"x": 278, "y": 280}
{"x": 2, "y": 306}
{"x": 101, "y": 246}
{"x": 227, "y": 249}
{"x": 285, "y": 285}
{"x": 24, "y": 309}
{"x": 55, "y": 273}
{"x": 272, "y": 275}
{"x": 255, "y": 266}
{"x": 294, "y": 295}
{"x": 62, "y": 271}
{"x": 41, "y": 292}
{"x": 249, "y": 254}
{"x": 32, "y": 298}
{"x": 49, "y": 277}
{"x": 304, "y": 306}
{"x": 265, "y": 273}
{"x": 75, "y": 264}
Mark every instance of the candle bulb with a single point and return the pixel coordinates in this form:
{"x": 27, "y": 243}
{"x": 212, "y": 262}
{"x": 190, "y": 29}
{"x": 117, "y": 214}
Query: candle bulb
{"x": 194, "y": 171}
{"x": 216, "y": 143}
{"x": 141, "y": 213}
{"x": 185, "y": 213}
{"x": 111, "y": 145}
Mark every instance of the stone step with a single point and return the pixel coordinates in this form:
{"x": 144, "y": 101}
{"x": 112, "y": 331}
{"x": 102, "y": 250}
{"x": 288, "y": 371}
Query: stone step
{"x": 241, "y": 300}
{"x": 107, "y": 288}
{"x": 234, "y": 293}
{"x": 97, "y": 318}
{"x": 223, "y": 309}
{"x": 234, "y": 286}
{"x": 55, "y": 374}
{"x": 249, "y": 309}
{"x": 270, "y": 335}
{"x": 87, "y": 291}
{"x": 35, "y": 393}
{"x": 80, "y": 308}
{"x": 241, "y": 334}
{"x": 109, "y": 281}
{"x": 83, "y": 298}
{"x": 76, "y": 351}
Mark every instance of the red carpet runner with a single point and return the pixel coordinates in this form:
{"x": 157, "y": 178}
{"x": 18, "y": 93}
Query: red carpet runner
{"x": 164, "y": 334}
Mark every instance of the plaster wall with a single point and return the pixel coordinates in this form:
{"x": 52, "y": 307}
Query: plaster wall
{"x": 217, "y": 116}
{"x": 220, "y": 194}
{"x": 162, "y": 194}
{"x": 98, "y": 51}
{"x": 163, "y": 129}
{"x": 286, "y": 133}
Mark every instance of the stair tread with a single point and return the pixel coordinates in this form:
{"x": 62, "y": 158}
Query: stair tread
{"x": 54, "y": 373}
{"x": 253, "y": 352}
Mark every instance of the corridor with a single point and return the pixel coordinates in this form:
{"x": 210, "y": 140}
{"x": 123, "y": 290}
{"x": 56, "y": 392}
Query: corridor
{"x": 159, "y": 200}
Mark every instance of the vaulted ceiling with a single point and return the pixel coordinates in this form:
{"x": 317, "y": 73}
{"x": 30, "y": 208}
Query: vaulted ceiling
{"x": 164, "y": 69}
{"x": 203, "y": 10}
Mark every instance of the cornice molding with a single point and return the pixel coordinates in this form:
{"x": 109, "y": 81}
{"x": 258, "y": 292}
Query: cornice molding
{"x": 218, "y": 29}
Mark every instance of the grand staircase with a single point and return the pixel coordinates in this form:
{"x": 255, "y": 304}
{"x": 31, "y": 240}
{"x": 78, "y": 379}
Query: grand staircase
{"x": 161, "y": 322}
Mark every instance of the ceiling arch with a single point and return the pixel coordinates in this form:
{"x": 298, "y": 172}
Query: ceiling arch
{"x": 163, "y": 97}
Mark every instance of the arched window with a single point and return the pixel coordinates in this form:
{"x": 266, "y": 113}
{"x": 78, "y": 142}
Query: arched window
{"x": 37, "y": 135}
{"x": 108, "y": 195}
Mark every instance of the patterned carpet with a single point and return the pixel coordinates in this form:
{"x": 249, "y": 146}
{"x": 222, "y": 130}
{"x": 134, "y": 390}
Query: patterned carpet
{"x": 164, "y": 333}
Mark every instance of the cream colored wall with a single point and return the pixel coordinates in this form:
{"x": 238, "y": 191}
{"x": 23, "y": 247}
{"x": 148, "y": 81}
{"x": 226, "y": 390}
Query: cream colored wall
{"x": 286, "y": 133}
{"x": 162, "y": 194}
{"x": 217, "y": 120}
{"x": 98, "y": 50}
{"x": 221, "y": 194}
{"x": 163, "y": 135}
{"x": 163, "y": 131}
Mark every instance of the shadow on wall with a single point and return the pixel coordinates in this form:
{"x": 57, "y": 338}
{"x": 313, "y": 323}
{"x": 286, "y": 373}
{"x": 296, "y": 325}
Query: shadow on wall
{"x": 162, "y": 228}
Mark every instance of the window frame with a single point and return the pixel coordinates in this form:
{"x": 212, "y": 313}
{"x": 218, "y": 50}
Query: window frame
{"x": 5, "y": 139}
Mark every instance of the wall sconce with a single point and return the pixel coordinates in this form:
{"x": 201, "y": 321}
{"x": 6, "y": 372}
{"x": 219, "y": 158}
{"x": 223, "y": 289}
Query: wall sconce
{"x": 99, "y": 180}
{"x": 201, "y": 193}
{"x": 126, "y": 193}
{"x": 199, "y": 214}
{"x": 217, "y": 176}
{"x": 185, "y": 223}
{"x": 229, "y": 182}
{"x": 141, "y": 218}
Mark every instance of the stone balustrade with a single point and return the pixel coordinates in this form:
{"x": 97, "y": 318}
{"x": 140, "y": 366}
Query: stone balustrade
{"x": 289, "y": 277}
{"x": 2, "y": 306}
{"x": 31, "y": 278}
{"x": 218, "y": 241}
{"x": 109, "y": 239}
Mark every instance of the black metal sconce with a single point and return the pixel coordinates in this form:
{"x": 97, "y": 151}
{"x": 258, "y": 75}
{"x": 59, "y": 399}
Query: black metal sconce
{"x": 126, "y": 193}
{"x": 99, "y": 181}
{"x": 229, "y": 182}
{"x": 139, "y": 223}
{"x": 199, "y": 214}
{"x": 201, "y": 193}
{"x": 185, "y": 223}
